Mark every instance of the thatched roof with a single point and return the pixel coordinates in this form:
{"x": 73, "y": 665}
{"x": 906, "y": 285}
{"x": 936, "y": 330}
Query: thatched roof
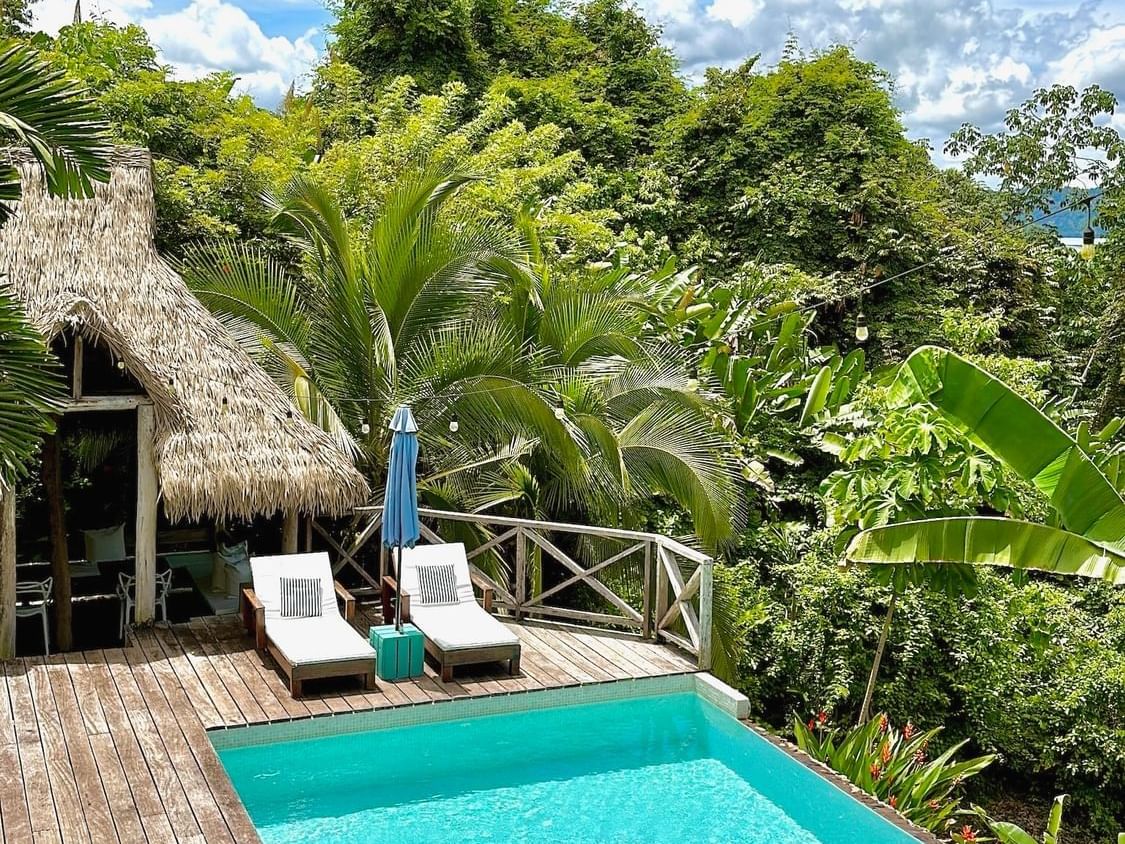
{"x": 90, "y": 265}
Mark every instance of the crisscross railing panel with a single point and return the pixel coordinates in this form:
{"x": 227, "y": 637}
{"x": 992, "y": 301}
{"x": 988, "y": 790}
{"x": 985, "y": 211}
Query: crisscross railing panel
{"x": 638, "y": 582}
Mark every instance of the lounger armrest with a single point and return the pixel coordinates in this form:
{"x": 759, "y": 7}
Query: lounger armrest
{"x": 254, "y": 616}
{"x": 487, "y": 593}
{"x": 389, "y": 591}
{"x": 348, "y": 598}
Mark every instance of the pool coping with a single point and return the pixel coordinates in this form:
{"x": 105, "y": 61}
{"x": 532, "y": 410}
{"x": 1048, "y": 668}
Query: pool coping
{"x": 707, "y": 686}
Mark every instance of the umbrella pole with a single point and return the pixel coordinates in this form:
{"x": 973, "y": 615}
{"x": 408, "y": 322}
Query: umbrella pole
{"x": 398, "y": 583}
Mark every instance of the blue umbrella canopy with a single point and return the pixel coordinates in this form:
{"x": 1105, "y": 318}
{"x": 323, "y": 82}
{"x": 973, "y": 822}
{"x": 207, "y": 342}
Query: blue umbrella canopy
{"x": 400, "y": 501}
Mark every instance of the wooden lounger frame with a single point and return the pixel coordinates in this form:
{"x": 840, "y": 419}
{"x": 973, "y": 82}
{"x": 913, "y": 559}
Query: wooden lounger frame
{"x": 254, "y": 619}
{"x": 446, "y": 660}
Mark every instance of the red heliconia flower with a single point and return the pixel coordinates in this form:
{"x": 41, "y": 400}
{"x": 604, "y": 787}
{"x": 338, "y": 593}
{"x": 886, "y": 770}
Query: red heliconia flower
{"x": 919, "y": 756}
{"x": 876, "y": 770}
{"x": 893, "y": 801}
{"x": 968, "y": 834}
{"x": 885, "y": 753}
{"x": 908, "y": 731}
{"x": 884, "y": 724}
{"x": 821, "y": 717}
{"x": 811, "y": 725}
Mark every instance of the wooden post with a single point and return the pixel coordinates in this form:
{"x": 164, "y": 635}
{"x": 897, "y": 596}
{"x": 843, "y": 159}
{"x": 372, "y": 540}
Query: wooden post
{"x": 646, "y": 610}
{"x": 661, "y": 605}
{"x": 77, "y": 368}
{"x": 60, "y": 558}
{"x": 521, "y": 572}
{"x": 290, "y": 529}
{"x": 7, "y": 572}
{"x": 706, "y": 611}
{"x": 308, "y": 534}
{"x": 147, "y": 501}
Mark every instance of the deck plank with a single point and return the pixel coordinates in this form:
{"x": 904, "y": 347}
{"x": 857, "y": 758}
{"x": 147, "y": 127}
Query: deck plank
{"x": 33, "y": 764}
{"x": 91, "y": 792}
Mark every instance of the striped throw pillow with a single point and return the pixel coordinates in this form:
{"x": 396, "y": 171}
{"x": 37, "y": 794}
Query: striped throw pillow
{"x": 300, "y": 597}
{"x": 437, "y": 585}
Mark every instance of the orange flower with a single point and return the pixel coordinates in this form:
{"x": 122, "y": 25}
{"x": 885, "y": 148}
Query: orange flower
{"x": 968, "y": 834}
{"x": 885, "y": 753}
{"x": 876, "y": 770}
{"x": 893, "y": 801}
{"x": 884, "y": 724}
{"x": 908, "y": 731}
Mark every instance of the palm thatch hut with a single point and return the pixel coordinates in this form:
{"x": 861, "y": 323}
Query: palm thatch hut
{"x": 216, "y": 437}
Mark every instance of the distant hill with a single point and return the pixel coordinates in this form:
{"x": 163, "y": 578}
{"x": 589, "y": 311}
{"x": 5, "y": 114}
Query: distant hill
{"x": 1072, "y": 222}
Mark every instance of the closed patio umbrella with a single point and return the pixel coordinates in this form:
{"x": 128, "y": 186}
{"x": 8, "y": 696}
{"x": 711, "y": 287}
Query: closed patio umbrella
{"x": 400, "y": 501}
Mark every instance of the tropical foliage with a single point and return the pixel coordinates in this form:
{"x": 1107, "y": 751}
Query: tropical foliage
{"x": 897, "y": 766}
{"x": 562, "y": 405}
{"x": 678, "y": 273}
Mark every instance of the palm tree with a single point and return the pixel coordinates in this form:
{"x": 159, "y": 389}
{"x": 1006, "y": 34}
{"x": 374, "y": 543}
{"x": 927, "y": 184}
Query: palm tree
{"x": 560, "y": 404}
{"x": 1086, "y": 536}
{"x": 50, "y": 115}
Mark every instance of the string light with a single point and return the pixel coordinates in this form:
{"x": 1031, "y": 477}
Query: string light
{"x": 121, "y": 365}
{"x": 454, "y": 425}
{"x": 365, "y": 429}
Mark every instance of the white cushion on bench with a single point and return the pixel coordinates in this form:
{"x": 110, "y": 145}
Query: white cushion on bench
{"x": 458, "y": 627}
{"x": 318, "y": 640}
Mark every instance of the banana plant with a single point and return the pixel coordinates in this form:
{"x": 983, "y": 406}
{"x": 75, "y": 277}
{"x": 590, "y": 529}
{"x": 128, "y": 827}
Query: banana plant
{"x": 1086, "y": 534}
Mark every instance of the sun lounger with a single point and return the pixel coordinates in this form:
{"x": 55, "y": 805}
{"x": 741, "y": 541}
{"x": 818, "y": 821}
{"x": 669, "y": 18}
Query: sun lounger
{"x": 293, "y": 614}
{"x": 438, "y": 599}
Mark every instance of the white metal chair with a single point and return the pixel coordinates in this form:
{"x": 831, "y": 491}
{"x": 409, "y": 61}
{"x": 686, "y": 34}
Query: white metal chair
{"x": 127, "y": 593}
{"x": 33, "y": 598}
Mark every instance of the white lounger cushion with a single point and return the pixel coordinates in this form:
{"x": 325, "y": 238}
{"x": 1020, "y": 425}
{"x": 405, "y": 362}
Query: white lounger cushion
{"x": 452, "y": 627}
{"x": 458, "y": 627}
{"x": 328, "y": 638}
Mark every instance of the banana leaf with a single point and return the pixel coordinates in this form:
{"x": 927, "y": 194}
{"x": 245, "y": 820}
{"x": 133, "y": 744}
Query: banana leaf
{"x": 1014, "y": 431}
{"x": 987, "y": 540}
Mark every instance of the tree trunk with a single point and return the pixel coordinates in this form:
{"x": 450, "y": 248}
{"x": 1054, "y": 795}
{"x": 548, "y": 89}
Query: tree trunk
{"x": 60, "y": 558}
{"x": 865, "y": 709}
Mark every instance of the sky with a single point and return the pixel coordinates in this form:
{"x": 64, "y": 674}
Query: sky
{"x": 953, "y": 61}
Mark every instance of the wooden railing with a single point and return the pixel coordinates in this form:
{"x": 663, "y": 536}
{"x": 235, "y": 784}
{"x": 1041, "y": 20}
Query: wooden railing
{"x": 643, "y": 583}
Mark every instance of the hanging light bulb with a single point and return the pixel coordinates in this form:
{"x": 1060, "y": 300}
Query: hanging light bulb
{"x": 861, "y": 332}
{"x": 365, "y": 429}
{"x": 1087, "y": 250}
{"x": 454, "y": 425}
{"x": 121, "y": 365}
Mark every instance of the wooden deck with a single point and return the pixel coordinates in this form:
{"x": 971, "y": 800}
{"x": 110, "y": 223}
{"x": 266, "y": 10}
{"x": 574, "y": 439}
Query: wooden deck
{"x": 103, "y": 746}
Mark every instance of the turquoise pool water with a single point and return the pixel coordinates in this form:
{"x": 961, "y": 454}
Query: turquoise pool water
{"x": 649, "y": 770}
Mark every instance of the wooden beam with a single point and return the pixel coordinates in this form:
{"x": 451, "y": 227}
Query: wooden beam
{"x": 706, "y": 610}
{"x": 290, "y": 529}
{"x": 105, "y": 403}
{"x": 56, "y": 519}
{"x": 147, "y": 504}
{"x": 76, "y": 370}
{"x": 7, "y": 572}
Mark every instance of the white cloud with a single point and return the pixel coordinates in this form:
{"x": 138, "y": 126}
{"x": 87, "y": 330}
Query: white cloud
{"x": 735, "y": 12}
{"x": 206, "y": 36}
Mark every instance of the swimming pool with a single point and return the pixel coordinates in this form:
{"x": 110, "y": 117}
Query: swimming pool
{"x": 650, "y": 769}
